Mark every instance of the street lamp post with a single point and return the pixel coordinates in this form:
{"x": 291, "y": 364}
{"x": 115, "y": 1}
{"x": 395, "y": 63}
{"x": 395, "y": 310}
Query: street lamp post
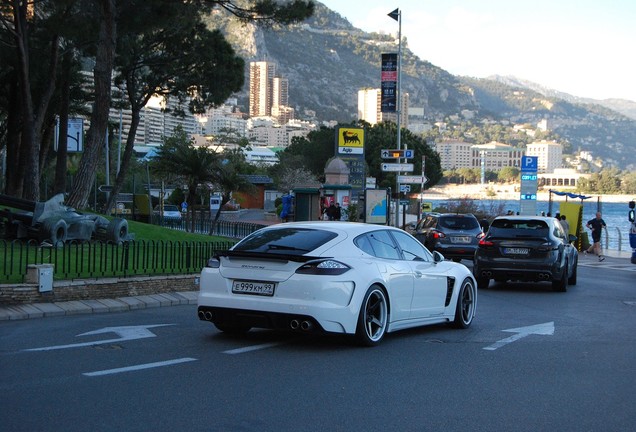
{"x": 397, "y": 15}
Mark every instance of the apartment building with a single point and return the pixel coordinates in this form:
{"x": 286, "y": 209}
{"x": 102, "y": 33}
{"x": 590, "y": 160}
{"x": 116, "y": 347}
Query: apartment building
{"x": 549, "y": 155}
{"x": 494, "y": 156}
{"x": 454, "y": 154}
{"x": 261, "y": 83}
{"x": 369, "y": 108}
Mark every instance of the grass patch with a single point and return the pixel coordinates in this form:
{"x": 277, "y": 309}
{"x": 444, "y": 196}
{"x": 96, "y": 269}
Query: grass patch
{"x": 155, "y": 251}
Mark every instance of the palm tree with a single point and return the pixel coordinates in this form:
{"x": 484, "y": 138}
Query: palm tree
{"x": 178, "y": 160}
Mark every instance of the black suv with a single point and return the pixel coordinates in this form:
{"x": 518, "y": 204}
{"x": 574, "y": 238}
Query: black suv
{"x": 526, "y": 248}
{"x": 454, "y": 235}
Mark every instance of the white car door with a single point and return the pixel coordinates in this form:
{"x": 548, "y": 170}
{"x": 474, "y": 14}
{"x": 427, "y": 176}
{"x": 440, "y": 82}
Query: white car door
{"x": 429, "y": 286}
{"x": 397, "y": 273}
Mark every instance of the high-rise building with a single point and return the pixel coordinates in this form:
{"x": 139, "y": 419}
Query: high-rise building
{"x": 280, "y": 91}
{"x": 269, "y": 93}
{"x": 369, "y": 108}
{"x": 368, "y": 105}
{"x": 261, "y": 86}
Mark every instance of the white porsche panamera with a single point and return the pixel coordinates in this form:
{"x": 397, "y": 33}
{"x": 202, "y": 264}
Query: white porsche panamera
{"x": 335, "y": 277}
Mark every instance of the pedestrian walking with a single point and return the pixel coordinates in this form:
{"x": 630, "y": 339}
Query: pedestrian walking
{"x": 337, "y": 214}
{"x": 596, "y": 225}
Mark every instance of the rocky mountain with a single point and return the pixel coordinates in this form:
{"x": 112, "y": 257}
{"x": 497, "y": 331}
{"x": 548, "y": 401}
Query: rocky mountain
{"x": 622, "y": 106}
{"x": 327, "y": 61}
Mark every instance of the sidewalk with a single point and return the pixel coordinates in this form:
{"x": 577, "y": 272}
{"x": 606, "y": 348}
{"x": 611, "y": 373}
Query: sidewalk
{"x": 121, "y": 304}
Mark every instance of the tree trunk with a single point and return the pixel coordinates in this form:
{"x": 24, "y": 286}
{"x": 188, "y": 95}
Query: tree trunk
{"x": 29, "y": 153}
{"x": 32, "y": 118}
{"x": 85, "y": 177}
{"x": 15, "y": 170}
{"x": 125, "y": 162}
{"x": 62, "y": 142}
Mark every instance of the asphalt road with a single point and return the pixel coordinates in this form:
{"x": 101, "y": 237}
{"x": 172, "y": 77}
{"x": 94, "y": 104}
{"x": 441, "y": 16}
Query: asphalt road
{"x": 533, "y": 360}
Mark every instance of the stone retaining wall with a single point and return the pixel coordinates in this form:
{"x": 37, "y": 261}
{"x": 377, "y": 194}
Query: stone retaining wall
{"x": 96, "y": 289}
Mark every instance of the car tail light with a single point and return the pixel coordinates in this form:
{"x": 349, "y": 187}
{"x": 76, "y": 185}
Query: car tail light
{"x": 546, "y": 247}
{"x": 325, "y": 267}
{"x": 438, "y": 234}
{"x": 485, "y": 243}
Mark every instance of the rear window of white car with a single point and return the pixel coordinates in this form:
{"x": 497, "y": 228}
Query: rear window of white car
{"x": 288, "y": 241}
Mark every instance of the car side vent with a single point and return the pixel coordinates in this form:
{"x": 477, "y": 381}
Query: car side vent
{"x": 450, "y": 283}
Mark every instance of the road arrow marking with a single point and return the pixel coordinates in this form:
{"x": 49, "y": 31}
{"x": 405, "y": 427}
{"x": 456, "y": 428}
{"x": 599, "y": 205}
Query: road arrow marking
{"x": 521, "y": 332}
{"x": 125, "y": 333}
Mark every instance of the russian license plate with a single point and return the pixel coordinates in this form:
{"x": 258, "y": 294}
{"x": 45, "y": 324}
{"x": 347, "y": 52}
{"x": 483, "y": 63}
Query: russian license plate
{"x": 516, "y": 251}
{"x": 460, "y": 239}
{"x": 253, "y": 287}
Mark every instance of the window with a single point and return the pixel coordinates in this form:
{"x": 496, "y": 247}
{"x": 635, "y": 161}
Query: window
{"x": 364, "y": 244}
{"x": 411, "y": 248}
{"x": 285, "y": 241}
{"x": 383, "y": 245}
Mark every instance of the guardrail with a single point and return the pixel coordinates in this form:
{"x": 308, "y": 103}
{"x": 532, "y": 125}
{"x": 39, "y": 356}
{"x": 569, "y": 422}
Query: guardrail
{"x": 223, "y": 228}
{"x": 81, "y": 260}
{"x": 613, "y": 239}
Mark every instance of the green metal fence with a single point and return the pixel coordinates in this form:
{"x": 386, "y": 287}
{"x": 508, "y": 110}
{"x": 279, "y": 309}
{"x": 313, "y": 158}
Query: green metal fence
{"x": 78, "y": 260}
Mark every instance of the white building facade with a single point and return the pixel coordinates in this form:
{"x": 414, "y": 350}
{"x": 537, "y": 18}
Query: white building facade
{"x": 549, "y": 155}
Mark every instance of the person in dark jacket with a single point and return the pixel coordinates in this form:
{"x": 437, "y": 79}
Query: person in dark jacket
{"x": 337, "y": 213}
{"x": 596, "y": 225}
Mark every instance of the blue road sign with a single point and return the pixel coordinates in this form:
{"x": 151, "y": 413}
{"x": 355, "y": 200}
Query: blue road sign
{"x": 529, "y": 163}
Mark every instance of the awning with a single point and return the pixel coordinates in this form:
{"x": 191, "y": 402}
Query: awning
{"x": 570, "y": 195}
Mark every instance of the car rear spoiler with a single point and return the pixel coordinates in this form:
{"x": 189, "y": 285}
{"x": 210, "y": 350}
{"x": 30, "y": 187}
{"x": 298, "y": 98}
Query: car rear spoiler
{"x": 266, "y": 256}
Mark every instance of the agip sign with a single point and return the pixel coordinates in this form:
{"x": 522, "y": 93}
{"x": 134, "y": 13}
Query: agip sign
{"x": 350, "y": 140}
{"x": 350, "y": 148}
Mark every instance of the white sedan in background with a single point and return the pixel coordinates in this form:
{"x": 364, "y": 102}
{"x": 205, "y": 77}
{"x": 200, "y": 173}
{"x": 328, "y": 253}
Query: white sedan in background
{"x": 335, "y": 277}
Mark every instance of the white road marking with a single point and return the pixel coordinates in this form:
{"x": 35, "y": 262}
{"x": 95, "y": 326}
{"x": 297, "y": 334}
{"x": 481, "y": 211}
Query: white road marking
{"x": 539, "y": 329}
{"x": 139, "y": 367}
{"x": 252, "y": 348}
{"x": 125, "y": 333}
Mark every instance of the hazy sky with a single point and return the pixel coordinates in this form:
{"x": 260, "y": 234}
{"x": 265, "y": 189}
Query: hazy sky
{"x": 583, "y": 47}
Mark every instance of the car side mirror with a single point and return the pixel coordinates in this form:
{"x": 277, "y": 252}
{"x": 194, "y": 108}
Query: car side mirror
{"x": 437, "y": 257}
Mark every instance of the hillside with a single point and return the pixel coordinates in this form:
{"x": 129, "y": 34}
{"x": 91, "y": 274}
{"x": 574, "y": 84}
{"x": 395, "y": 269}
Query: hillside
{"x": 327, "y": 61}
